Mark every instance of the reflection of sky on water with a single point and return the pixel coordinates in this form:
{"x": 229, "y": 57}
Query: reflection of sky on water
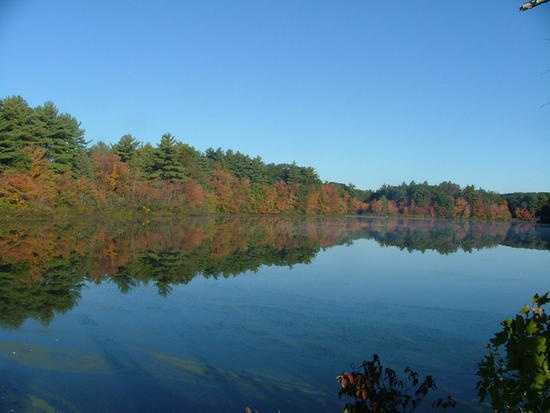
{"x": 497, "y": 280}
{"x": 278, "y": 337}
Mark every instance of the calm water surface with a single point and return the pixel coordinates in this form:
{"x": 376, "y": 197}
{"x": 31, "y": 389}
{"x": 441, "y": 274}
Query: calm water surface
{"x": 220, "y": 315}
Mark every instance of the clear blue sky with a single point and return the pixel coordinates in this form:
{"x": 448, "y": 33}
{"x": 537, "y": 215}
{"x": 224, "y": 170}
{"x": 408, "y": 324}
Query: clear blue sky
{"x": 366, "y": 92}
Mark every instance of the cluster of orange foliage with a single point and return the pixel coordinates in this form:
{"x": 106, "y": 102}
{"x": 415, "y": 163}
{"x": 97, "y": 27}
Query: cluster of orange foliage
{"x": 524, "y": 214}
{"x": 115, "y": 185}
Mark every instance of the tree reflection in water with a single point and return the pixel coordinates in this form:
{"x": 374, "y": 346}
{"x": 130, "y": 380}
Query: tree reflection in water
{"x": 43, "y": 265}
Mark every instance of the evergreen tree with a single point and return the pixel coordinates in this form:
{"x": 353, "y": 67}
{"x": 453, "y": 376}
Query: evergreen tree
{"x": 16, "y": 118}
{"x": 167, "y": 162}
{"x": 60, "y": 134}
{"x": 294, "y": 174}
{"x": 144, "y": 160}
{"x": 100, "y": 147}
{"x": 126, "y": 147}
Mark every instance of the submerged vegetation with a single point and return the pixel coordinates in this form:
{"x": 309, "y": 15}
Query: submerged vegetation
{"x": 47, "y": 167}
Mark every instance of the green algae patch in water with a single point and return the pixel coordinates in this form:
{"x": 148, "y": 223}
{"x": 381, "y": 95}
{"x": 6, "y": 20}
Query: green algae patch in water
{"x": 54, "y": 359}
{"x": 240, "y": 382}
{"x": 40, "y": 405}
{"x": 16, "y": 399}
{"x": 185, "y": 364}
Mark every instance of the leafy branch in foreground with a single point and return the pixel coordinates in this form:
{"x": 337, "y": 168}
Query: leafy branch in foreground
{"x": 379, "y": 390}
{"x": 515, "y": 374}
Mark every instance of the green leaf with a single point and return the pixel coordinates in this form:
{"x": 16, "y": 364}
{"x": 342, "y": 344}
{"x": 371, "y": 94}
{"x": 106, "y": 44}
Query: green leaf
{"x": 500, "y": 338}
{"x": 540, "y": 344}
{"x": 519, "y": 325}
{"x": 539, "y": 381}
{"x": 532, "y": 327}
{"x": 541, "y": 300}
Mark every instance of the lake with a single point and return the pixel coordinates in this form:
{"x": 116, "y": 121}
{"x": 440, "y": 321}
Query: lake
{"x": 223, "y": 313}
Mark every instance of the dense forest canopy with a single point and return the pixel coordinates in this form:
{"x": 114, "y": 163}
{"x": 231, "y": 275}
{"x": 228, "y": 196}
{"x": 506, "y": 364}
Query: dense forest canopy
{"x": 47, "y": 166}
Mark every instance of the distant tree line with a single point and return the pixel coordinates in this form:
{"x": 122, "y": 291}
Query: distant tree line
{"x": 47, "y": 166}
{"x": 450, "y": 200}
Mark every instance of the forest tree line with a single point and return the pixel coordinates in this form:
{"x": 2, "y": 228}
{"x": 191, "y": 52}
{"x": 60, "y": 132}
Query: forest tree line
{"x": 48, "y": 166}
